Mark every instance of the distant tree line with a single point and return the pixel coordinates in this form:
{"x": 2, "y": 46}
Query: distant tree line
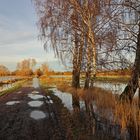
{"x": 25, "y": 67}
{"x": 4, "y": 70}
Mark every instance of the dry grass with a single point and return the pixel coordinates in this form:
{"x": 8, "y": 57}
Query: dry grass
{"x": 50, "y": 81}
{"x": 104, "y": 99}
{"x": 124, "y": 114}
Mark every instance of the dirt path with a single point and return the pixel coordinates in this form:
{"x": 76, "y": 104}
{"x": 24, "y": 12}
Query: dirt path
{"x": 30, "y": 117}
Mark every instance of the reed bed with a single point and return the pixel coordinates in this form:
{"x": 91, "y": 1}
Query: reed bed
{"x": 108, "y": 106}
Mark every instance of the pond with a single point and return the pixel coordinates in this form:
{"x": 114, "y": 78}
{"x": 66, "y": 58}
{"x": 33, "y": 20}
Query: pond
{"x": 115, "y": 87}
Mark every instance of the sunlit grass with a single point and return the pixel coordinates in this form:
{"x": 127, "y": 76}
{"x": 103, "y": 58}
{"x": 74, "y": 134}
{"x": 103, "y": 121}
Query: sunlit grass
{"x": 50, "y": 81}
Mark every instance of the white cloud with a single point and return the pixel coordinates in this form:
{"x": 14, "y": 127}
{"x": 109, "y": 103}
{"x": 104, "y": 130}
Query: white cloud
{"x": 15, "y": 31}
{"x": 18, "y": 41}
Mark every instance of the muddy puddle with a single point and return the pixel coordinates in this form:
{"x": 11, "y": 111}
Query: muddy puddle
{"x": 12, "y": 102}
{"x": 35, "y": 103}
{"x": 35, "y": 92}
{"x": 35, "y": 96}
{"x": 37, "y": 115}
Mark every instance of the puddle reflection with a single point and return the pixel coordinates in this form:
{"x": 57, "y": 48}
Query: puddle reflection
{"x": 35, "y": 103}
{"x": 35, "y": 97}
{"x": 37, "y": 115}
{"x": 65, "y": 97}
{"x": 12, "y": 102}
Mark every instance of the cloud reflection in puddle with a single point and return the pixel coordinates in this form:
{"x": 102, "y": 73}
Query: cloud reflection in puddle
{"x": 35, "y": 97}
{"x": 35, "y": 103}
{"x": 12, "y": 102}
{"x": 37, "y": 115}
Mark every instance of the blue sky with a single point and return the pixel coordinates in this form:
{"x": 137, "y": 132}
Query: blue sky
{"x": 19, "y": 35}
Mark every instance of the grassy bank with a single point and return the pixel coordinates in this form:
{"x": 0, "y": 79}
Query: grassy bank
{"x": 17, "y": 86}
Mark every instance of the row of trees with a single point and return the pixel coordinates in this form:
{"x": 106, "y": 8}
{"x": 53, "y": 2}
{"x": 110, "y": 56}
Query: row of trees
{"x": 25, "y": 67}
{"x": 26, "y": 64}
{"x": 93, "y": 34}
